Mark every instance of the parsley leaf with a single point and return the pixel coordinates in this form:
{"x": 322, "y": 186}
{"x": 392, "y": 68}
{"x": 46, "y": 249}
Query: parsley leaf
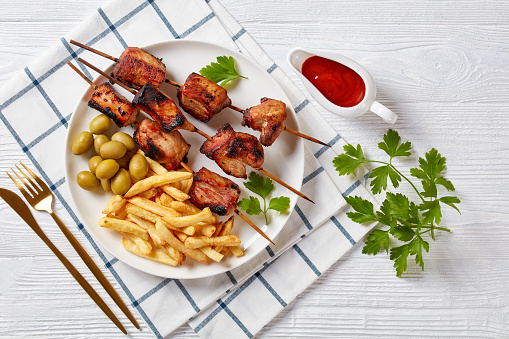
{"x": 404, "y": 220}
{"x": 376, "y": 241}
{"x": 279, "y": 204}
{"x": 392, "y": 147}
{"x": 251, "y": 205}
{"x": 364, "y": 210}
{"x": 262, "y": 187}
{"x": 223, "y": 70}
{"x": 347, "y": 163}
{"x": 257, "y": 184}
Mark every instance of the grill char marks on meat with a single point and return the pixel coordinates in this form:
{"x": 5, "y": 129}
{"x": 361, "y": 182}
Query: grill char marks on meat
{"x": 268, "y": 117}
{"x": 211, "y": 190}
{"x": 202, "y": 98}
{"x": 135, "y": 68}
{"x": 161, "y": 108}
{"x": 107, "y": 101}
{"x": 167, "y": 148}
{"x": 232, "y": 151}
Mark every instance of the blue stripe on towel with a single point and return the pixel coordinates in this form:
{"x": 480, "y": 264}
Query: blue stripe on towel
{"x": 307, "y": 260}
{"x": 342, "y": 229}
{"x": 46, "y": 97}
{"x": 312, "y": 175}
{"x": 270, "y": 289}
{"x": 197, "y": 25}
{"x": 187, "y": 295}
{"x": 303, "y": 217}
{"x": 112, "y": 27}
{"x": 301, "y": 106}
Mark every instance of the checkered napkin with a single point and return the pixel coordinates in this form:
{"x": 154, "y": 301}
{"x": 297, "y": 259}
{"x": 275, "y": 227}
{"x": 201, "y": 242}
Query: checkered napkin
{"x": 38, "y": 102}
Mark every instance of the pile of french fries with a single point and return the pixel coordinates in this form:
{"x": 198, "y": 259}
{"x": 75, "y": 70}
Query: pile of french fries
{"x": 159, "y": 223}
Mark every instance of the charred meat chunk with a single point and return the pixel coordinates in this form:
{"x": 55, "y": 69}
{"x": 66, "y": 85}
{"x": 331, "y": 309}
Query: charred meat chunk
{"x": 268, "y": 117}
{"x": 161, "y": 108}
{"x": 167, "y": 148}
{"x": 135, "y": 68}
{"x": 107, "y": 101}
{"x": 211, "y": 190}
{"x": 202, "y": 98}
{"x": 232, "y": 151}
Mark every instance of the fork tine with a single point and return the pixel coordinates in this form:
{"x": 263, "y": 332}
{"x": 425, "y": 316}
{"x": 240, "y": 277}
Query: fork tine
{"x": 41, "y": 183}
{"x": 22, "y": 190}
{"x": 34, "y": 189}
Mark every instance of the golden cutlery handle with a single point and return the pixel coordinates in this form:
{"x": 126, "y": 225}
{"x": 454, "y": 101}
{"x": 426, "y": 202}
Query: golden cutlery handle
{"x": 94, "y": 269}
{"x": 79, "y": 278}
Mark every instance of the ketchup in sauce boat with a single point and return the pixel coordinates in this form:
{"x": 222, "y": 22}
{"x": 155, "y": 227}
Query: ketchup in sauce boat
{"x": 338, "y": 83}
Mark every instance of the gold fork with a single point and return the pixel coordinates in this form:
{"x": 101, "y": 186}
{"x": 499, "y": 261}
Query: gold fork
{"x": 41, "y": 199}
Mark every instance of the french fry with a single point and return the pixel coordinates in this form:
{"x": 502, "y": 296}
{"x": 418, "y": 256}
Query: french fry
{"x": 116, "y": 203}
{"x": 186, "y": 185}
{"x": 149, "y": 194}
{"x": 225, "y": 230}
{"x": 158, "y": 256}
{"x": 237, "y": 251}
{"x": 166, "y": 199}
{"x": 174, "y": 192}
{"x": 153, "y": 207}
{"x": 188, "y": 220}
{"x": 123, "y": 226}
{"x": 178, "y": 245}
{"x": 156, "y": 181}
{"x": 225, "y": 240}
{"x": 212, "y": 254}
{"x": 150, "y": 227}
{"x": 205, "y": 229}
{"x": 144, "y": 245}
{"x": 174, "y": 254}
{"x": 140, "y": 212}
{"x": 153, "y": 165}
{"x": 188, "y": 230}
{"x": 181, "y": 236}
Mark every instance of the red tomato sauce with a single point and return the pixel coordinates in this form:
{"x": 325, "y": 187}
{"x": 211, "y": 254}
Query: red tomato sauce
{"x": 338, "y": 83}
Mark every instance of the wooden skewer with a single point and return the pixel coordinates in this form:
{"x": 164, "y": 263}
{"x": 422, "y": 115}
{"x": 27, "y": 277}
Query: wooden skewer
{"x": 93, "y": 50}
{"x": 299, "y": 134}
{"x": 176, "y": 84}
{"x": 249, "y": 222}
{"x": 205, "y": 135}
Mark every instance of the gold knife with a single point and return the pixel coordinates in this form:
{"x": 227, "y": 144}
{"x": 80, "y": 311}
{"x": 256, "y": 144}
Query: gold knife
{"x": 24, "y": 212}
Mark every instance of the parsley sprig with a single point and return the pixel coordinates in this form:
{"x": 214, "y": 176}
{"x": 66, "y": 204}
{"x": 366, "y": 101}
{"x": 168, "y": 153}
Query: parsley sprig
{"x": 262, "y": 187}
{"x": 223, "y": 70}
{"x": 407, "y": 221}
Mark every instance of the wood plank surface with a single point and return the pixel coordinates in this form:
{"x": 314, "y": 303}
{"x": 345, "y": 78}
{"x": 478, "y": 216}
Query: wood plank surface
{"x": 442, "y": 66}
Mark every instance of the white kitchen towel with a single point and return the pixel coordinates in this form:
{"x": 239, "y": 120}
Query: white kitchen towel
{"x": 37, "y": 104}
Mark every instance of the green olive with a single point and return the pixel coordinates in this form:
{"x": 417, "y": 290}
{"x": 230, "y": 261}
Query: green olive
{"x": 99, "y": 124}
{"x": 93, "y": 162}
{"x": 112, "y": 150}
{"x": 87, "y": 181}
{"x": 125, "y": 139}
{"x": 124, "y": 161}
{"x": 99, "y": 141}
{"x": 106, "y": 169}
{"x": 138, "y": 166}
{"x": 82, "y": 143}
{"x": 106, "y": 185}
{"x": 121, "y": 182}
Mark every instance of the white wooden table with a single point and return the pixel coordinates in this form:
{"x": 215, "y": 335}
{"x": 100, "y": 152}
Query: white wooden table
{"x": 442, "y": 66}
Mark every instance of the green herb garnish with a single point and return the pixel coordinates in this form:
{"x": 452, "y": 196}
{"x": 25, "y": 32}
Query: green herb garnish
{"x": 404, "y": 220}
{"x": 222, "y": 70}
{"x": 262, "y": 187}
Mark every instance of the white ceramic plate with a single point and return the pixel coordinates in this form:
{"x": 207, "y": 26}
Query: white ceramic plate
{"x": 285, "y": 158}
